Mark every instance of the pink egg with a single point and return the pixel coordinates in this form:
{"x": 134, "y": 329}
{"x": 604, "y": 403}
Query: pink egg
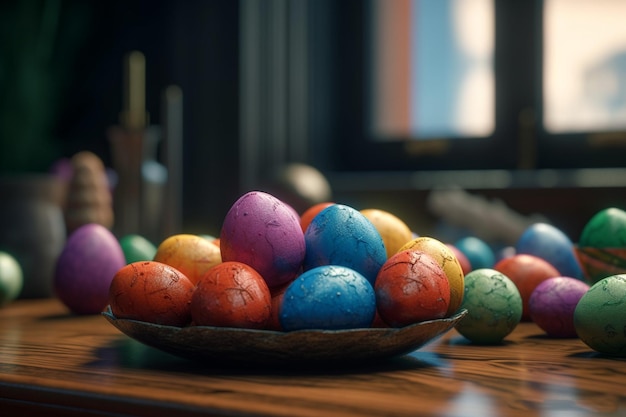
{"x": 552, "y": 304}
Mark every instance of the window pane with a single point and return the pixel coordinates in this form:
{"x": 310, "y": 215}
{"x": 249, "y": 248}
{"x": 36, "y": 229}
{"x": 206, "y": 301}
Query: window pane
{"x": 433, "y": 68}
{"x": 584, "y": 66}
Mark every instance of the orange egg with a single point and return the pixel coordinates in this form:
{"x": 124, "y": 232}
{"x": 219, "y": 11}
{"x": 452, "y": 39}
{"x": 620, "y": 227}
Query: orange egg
{"x": 231, "y": 294}
{"x": 392, "y": 229}
{"x": 307, "y": 216}
{"x": 152, "y": 292}
{"x": 192, "y": 255}
{"x": 448, "y": 261}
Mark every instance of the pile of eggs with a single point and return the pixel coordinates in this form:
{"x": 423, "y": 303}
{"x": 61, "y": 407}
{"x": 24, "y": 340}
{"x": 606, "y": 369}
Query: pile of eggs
{"x": 335, "y": 267}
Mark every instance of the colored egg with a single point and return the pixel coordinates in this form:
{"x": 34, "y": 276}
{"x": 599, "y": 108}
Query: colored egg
{"x": 340, "y": 235}
{"x": 11, "y": 278}
{"x": 190, "y": 254}
{"x": 392, "y": 229}
{"x": 466, "y": 267}
{"x": 526, "y": 272}
{"x": 548, "y": 242}
{"x": 261, "y": 231}
{"x": 307, "y": 216}
{"x": 448, "y": 261}
{"x": 231, "y": 294}
{"x": 600, "y": 316}
{"x": 137, "y": 248}
{"x": 477, "y": 251}
{"x": 85, "y": 268}
{"x": 152, "y": 292}
{"x": 494, "y": 307}
{"x": 328, "y": 297}
{"x": 277, "y": 301}
{"x": 551, "y": 305}
{"x": 411, "y": 287}
{"x": 606, "y": 229}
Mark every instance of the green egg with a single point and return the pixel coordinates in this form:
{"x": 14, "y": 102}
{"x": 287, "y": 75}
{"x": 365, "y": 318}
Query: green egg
{"x": 494, "y": 307}
{"x": 11, "y": 278}
{"x": 137, "y": 248}
{"x": 606, "y": 229}
{"x": 600, "y": 316}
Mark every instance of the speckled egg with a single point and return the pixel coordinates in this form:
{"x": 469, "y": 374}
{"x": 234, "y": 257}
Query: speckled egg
{"x": 448, "y": 261}
{"x": 600, "y": 316}
{"x": 550, "y": 243}
{"x": 231, "y": 294}
{"x": 526, "y": 272}
{"x": 85, "y": 268}
{"x": 392, "y": 229}
{"x": 137, "y": 248}
{"x": 192, "y": 255}
{"x": 261, "y": 231}
{"x": 477, "y": 251}
{"x": 551, "y": 305}
{"x": 341, "y": 235}
{"x": 606, "y": 229}
{"x": 152, "y": 292}
{"x": 494, "y": 307}
{"x": 329, "y": 297}
{"x": 411, "y": 287}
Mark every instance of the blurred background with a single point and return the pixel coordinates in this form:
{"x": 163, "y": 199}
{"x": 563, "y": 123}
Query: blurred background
{"x": 442, "y": 112}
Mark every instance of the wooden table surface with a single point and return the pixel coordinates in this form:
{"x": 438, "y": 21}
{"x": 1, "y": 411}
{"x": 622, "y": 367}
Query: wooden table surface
{"x": 54, "y": 363}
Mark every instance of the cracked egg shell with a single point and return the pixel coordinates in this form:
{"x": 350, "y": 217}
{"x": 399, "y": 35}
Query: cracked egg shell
{"x": 411, "y": 287}
{"x": 328, "y": 297}
{"x": 494, "y": 307}
{"x": 231, "y": 294}
{"x": 261, "y": 231}
{"x": 152, "y": 292}
{"x": 192, "y": 255}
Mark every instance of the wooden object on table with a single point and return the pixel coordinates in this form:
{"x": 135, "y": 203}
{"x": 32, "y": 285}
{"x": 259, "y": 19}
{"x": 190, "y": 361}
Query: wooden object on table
{"x": 54, "y": 363}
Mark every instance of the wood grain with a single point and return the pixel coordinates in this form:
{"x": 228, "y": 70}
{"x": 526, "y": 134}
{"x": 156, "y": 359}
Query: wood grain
{"x": 55, "y": 363}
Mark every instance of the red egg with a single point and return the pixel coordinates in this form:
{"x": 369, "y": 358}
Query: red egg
{"x": 411, "y": 287}
{"x": 277, "y": 299}
{"x": 466, "y": 267}
{"x": 153, "y": 292}
{"x": 526, "y": 272}
{"x": 231, "y": 294}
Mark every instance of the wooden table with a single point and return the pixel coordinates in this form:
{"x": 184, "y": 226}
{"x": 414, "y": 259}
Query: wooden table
{"x": 54, "y": 363}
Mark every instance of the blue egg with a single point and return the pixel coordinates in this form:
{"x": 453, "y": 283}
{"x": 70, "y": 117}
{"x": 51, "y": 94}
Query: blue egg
{"x": 551, "y": 244}
{"x": 341, "y": 235}
{"x": 328, "y": 297}
{"x": 477, "y": 251}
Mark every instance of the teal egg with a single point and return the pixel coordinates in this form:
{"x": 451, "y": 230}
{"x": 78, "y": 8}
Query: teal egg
{"x": 477, "y": 251}
{"x": 494, "y": 307}
{"x": 137, "y": 248}
{"x": 600, "y": 316}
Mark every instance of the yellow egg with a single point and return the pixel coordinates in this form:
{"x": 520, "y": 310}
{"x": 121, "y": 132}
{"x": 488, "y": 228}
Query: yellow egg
{"x": 448, "y": 261}
{"x": 191, "y": 254}
{"x": 394, "y": 231}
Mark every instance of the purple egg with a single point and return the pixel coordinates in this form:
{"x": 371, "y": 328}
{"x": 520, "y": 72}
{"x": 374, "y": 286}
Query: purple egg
{"x": 85, "y": 268}
{"x": 552, "y": 303}
{"x": 261, "y": 231}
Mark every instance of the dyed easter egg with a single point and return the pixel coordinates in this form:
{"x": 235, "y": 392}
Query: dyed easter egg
{"x": 546, "y": 241}
{"x": 448, "y": 261}
{"x": 307, "y": 216}
{"x": 600, "y": 316}
{"x": 192, "y": 255}
{"x": 11, "y": 278}
{"x": 494, "y": 307}
{"x": 466, "y": 267}
{"x": 261, "y": 231}
{"x": 526, "y": 272}
{"x": 411, "y": 287}
{"x": 137, "y": 248}
{"x": 393, "y": 230}
{"x": 340, "y": 235}
{"x": 551, "y": 305}
{"x": 152, "y": 292}
{"x": 231, "y": 294}
{"x": 85, "y": 268}
{"x": 606, "y": 229}
{"x": 329, "y": 297}
{"x": 477, "y": 251}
